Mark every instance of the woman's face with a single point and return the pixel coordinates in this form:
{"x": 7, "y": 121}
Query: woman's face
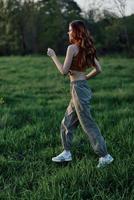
{"x": 70, "y": 33}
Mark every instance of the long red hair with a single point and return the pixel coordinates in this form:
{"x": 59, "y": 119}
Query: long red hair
{"x": 82, "y": 37}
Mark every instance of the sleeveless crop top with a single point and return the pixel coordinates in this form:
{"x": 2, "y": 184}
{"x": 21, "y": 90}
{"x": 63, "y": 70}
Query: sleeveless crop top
{"x": 74, "y": 65}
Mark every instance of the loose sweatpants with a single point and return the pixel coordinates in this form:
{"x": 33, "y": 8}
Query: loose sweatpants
{"x": 78, "y": 112}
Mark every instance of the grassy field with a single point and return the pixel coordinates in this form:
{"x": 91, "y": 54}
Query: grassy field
{"x": 33, "y": 100}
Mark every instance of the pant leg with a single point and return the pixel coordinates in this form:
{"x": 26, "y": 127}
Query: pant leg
{"x": 81, "y": 95}
{"x": 68, "y": 125}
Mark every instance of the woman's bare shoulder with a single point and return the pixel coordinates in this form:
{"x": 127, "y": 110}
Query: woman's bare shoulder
{"x": 74, "y": 48}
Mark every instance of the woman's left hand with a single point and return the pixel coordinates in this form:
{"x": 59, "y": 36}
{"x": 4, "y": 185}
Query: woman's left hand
{"x": 50, "y": 52}
{"x": 70, "y": 73}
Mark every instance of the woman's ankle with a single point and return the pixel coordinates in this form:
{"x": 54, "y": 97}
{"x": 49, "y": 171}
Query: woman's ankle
{"x": 67, "y": 151}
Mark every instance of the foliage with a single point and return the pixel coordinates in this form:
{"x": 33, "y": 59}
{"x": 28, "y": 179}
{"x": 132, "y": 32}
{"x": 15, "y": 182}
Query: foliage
{"x": 30, "y": 27}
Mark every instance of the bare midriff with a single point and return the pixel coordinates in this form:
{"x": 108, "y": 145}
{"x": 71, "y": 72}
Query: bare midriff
{"x": 77, "y": 75}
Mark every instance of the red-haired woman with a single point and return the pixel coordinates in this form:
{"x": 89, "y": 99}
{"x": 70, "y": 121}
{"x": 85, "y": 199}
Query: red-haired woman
{"x": 80, "y": 55}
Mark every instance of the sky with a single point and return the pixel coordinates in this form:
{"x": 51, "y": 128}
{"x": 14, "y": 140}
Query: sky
{"x": 86, "y": 4}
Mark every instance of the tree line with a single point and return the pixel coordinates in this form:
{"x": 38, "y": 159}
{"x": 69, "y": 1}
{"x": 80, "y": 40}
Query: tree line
{"x": 30, "y": 27}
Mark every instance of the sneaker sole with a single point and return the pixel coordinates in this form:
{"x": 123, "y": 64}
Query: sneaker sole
{"x": 64, "y": 160}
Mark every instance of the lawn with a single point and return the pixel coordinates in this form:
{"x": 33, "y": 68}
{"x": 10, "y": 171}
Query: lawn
{"x": 33, "y": 99}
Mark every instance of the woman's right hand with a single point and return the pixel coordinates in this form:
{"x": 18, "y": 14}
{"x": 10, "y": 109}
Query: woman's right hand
{"x": 50, "y": 52}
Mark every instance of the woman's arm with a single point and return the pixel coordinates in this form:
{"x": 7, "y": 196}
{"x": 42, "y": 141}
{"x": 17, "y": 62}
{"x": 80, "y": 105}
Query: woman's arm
{"x": 64, "y": 69}
{"x": 97, "y": 69}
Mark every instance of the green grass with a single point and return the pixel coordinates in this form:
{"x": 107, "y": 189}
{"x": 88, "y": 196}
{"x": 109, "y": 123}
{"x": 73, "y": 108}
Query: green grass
{"x": 33, "y": 100}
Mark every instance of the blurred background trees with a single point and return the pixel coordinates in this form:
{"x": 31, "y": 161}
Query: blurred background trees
{"x": 29, "y": 27}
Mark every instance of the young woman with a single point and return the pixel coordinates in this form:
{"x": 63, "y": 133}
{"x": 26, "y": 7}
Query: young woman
{"x": 80, "y": 55}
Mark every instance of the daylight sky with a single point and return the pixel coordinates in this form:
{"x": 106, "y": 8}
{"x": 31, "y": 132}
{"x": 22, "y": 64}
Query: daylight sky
{"x": 86, "y": 4}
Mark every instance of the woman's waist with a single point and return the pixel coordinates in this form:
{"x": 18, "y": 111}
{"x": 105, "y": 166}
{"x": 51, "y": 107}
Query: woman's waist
{"x": 74, "y": 73}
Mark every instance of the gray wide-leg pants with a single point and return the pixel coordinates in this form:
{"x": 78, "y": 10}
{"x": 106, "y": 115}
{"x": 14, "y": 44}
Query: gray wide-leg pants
{"x": 78, "y": 112}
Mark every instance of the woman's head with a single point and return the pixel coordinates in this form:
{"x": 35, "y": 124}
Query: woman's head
{"x": 77, "y": 30}
{"x": 80, "y": 35}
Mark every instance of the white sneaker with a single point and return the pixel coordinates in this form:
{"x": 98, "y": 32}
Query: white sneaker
{"x": 103, "y": 161}
{"x": 64, "y": 156}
